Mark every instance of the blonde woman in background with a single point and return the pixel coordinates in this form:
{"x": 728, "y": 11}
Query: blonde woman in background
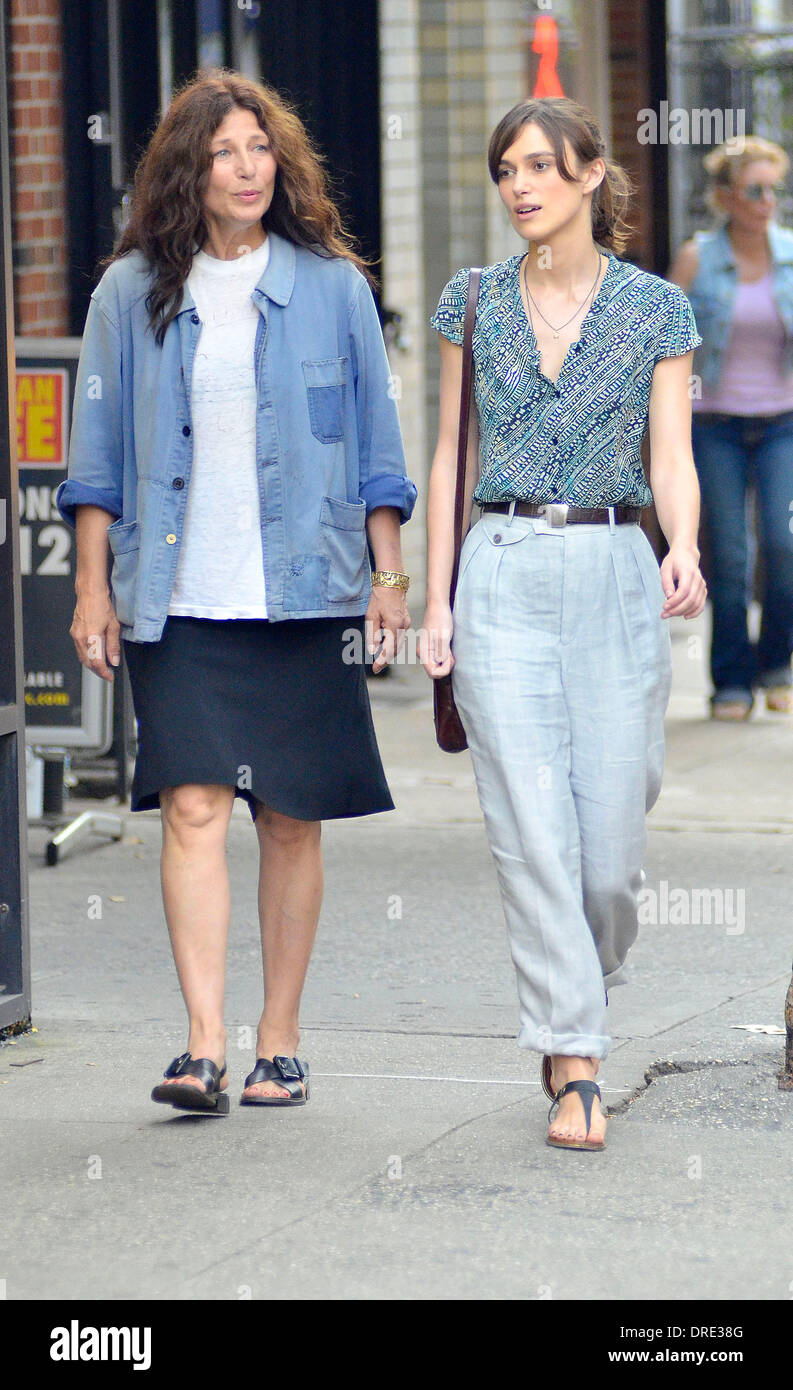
{"x": 739, "y": 279}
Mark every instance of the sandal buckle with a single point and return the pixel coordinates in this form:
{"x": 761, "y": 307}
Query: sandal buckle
{"x": 288, "y": 1067}
{"x": 177, "y": 1065}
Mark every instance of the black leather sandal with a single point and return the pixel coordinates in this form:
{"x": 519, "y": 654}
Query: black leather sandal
{"x": 587, "y": 1091}
{"x": 212, "y": 1101}
{"x": 288, "y": 1072}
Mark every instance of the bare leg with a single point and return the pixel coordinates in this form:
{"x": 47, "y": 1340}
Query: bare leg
{"x": 568, "y": 1122}
{"x": 196, "y": 897}
{"x": 290, "y": 898}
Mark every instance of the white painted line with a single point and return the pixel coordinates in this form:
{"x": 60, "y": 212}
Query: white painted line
{"x": 466, "y": 1080}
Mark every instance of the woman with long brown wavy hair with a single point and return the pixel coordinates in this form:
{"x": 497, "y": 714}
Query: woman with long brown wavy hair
{"x": 558, "y": 638}
{"x": 236, "y": 444}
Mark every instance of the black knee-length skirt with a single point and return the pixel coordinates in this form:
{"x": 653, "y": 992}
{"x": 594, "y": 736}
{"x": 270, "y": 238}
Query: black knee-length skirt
{"x": 271, "y": 709}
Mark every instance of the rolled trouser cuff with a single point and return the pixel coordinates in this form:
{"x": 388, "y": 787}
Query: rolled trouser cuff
{"x": 563, "y": 1044}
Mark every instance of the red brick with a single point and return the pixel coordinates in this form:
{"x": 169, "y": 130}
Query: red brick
{"x": 29, "y": 173}
{"x": 27, "y": 60}
{"x": 26, "y": 117}
{"x": 33, "y": 227}
{"x": 35, "y": 9}
{"x": 26, "y": 315}
{"x": 44, "y": 31}
{"x": 31, "y": 87}
{"x": 31, "y": 282}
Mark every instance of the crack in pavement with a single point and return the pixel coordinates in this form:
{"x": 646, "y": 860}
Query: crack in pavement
{"x": 670, "y": 1068}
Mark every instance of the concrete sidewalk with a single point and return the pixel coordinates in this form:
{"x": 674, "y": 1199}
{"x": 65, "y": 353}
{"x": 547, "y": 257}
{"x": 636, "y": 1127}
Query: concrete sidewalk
{"x": 419, "y": 1169}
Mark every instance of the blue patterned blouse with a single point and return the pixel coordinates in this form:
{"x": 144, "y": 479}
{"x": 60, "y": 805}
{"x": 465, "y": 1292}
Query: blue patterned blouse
{"x": 577, "y": 440}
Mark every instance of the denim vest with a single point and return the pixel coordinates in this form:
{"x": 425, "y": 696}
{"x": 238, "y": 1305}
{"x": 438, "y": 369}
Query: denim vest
{"x": 712, "y": 296}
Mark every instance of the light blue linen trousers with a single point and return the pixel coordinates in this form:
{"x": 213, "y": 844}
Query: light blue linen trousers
{"x": 562, "y": 675}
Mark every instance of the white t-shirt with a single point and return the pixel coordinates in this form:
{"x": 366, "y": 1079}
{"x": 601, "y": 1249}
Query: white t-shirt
{"x": 220, "y": 572}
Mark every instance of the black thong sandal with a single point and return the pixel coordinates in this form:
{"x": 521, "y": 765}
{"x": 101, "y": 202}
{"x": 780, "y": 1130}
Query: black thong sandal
{"x": 587, "y": 1091}
{"x": 288, "y": 1072}
{"x": 212, "y": 1101}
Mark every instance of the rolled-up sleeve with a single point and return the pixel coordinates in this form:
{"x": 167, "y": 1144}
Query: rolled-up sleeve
{"x": 96, "y": 453}
{"x": 383, "y": 480}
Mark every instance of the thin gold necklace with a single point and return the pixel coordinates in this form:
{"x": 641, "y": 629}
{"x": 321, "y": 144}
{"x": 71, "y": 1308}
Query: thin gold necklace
{"x": 557, "y": 331}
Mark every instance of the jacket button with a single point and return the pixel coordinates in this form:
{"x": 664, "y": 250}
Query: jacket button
{"x": 194, "y": 318}
{"x": 497, "y": 537}
{"x": 178, "y": 483}
{"x": 186, "y": 430}
{"x": 170, "y": 538}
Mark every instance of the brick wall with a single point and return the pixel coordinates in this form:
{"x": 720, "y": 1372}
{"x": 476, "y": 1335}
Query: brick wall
{"x": 37, "y": 169}
{"x": 630, "y": 93}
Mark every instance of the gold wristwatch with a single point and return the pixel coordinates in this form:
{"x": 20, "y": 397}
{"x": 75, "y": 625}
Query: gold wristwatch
{"x": 391, "y": 579}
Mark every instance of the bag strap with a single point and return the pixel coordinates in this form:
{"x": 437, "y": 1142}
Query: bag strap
{"x": 472, "y": 299}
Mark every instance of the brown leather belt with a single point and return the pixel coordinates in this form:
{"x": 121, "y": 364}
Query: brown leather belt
{"x": 560, "y": 514}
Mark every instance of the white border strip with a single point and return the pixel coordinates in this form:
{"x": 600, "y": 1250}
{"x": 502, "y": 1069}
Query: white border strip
{"x": 467, "y": 1080}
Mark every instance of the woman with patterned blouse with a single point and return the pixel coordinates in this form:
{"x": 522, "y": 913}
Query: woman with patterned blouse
{"x": 559, "y": 637}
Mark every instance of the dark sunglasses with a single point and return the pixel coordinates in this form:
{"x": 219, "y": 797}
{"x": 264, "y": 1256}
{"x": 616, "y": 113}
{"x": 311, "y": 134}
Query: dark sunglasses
{"x": 755, "y": 192}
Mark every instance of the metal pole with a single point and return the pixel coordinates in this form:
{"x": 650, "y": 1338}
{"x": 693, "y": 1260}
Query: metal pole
{"x": 14, "y": 928}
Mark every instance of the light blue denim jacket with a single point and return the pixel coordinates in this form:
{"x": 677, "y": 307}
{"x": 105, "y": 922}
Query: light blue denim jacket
{"x": 712, "y": 296}
{"x": 328, "y": 442}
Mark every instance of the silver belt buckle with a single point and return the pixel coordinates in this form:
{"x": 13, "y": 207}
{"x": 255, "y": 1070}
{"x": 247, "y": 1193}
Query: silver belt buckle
{"x": 556, "y": 513}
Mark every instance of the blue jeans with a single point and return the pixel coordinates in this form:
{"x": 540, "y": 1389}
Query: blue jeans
{"x": 732, "y": 453}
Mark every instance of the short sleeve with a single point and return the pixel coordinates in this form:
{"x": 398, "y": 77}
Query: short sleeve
{"x": 678, "y": 328}
{"x": 449, "y": 317}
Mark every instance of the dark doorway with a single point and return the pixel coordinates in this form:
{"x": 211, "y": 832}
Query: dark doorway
{"x": 325, "y": 59}
{"x": 322, "y": 58}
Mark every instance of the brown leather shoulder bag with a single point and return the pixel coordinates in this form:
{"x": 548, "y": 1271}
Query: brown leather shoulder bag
{"x": 449, "y": 730}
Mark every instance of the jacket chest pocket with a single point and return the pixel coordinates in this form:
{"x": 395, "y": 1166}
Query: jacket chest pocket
{"x": 325, "y": 390}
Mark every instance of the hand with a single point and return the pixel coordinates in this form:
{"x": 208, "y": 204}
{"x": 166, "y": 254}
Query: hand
{"x": 96, "y": 633}
{"x": 684, "y": 586}
{"x": 387, "y": 619}
{"x": 435, "y": 639}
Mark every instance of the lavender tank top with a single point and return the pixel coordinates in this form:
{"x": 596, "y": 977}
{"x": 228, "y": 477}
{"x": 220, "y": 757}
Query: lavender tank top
{"x": 752, "y": 381}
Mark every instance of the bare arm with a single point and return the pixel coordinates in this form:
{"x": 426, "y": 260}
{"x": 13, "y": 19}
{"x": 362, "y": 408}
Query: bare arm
{"x": 435, "y": 648}
{"x": 683, "y": 270}
{"x": 95, "y": 628}
{"x": 387, "y": 614}
{"x": 674, "y": 485}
